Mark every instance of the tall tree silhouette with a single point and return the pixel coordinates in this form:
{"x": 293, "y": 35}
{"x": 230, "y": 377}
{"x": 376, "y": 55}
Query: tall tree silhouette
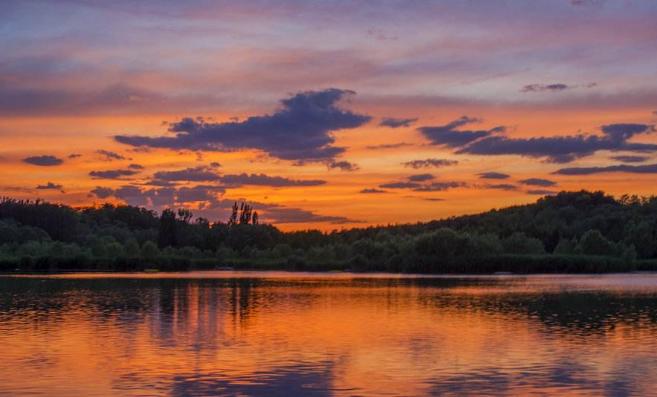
{"x": 167, "y": 235}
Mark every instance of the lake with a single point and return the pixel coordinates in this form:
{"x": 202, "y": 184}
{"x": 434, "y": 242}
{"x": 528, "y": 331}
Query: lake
{"x": 322, "y": 334}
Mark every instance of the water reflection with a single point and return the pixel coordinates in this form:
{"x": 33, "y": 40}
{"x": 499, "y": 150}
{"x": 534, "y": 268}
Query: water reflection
{"x": 271, "y": 334}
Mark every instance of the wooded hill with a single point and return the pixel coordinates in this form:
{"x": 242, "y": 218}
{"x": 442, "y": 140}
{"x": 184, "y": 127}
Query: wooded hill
{"x": 569, "y": 232}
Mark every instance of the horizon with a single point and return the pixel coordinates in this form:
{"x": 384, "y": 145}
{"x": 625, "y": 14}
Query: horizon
{"x": 327, "y": 115}
{"x": 342, "y": 229}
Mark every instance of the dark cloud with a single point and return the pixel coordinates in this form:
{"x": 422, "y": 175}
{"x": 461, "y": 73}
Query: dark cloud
{"x": 372, "y": 191}
{"x": 501, "y": 186}
{"x": 109, "y": 155}
{"x": 493, "y": 175}
{"x": 388, "y": 146}
{"x": 563, "y": 149}
{"x": 162, "y": 196}
{"x": 43, "y": 161}
{"x": 196, "y": 174}
{"x": 280, "y": 214}
{"x": 631, "y": 159}
{"x": 622, "y": 132}
{"x": 235, "y": 180}
{"x": 211, "y": 203}
{"x": 136, "y": 167}
{"x": 396, "y": 123}
{"x": 555, "y": 87}
{"x": 205, "y": 174}
{"x": 541, "y": 192}
{"x": 50, "y": 186}
{"x": 400, "y": 185}
{"x": 427, "y": 163}
{"x": 586, "y": 2}
{"x": 112, "y": 174}
{"x": 537, "y": 182}
{"x": 74, "y": 155}
{"x": 301, "y": 130}
{"x": 545, "y": 87}
{"x": 215, "y": 164}
{"x": 342, "y": 165}
{"x": 102, "y": 192}
{"x": 421, "y": 177}
{"x": 448, "y": 135}
{"x": 624, "y": 168}
{"x": 439, "y": 186}
{"x": 422, "y": 187}
{"x": 197, "y": 193}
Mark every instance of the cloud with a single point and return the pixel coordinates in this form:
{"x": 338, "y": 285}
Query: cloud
{"x": 541, "y": 192}
{"x": 102, "y": 192}
{"x": 388, "y": 146}
{"x": 50, "y": 186}
{"x": 631, "y": 159}
{"x": 215, "y": 164}
{"x": 493, "y": 175}
{"x": 206, "y": 174}
{"x": 555, "y": 87}
{"x": 136, "y": 167}
{"x": 537, "y": 182}
{"x": 301, "y": 130}
{"x": 209, "y": 201}
{"x": 400, "y": 185}
{"x": 109, "y": 155}
{"x": 196, "y": 174}
{"x": 372, "y": 191}
{"x": 545, "y": 87}
{"x": 624, "y": 168}
{"x": 563, "y": 149}
{"x": 422, "y": 187}
{"x": 43, "y": 161}
{"x": 74, "y": 155}
{"x": 421, "y": 177}
{"x": 586, "y": 2}
{"x": 235, "y": 180}
{"x": 280, "y": 214}
{"x": 160, "y": 197}
{"x": 113, "y": 174}
{"x": 396, "y": 123}
{"x": 439, "y": 186}
{"x": 448, "y": 135}
{"x": 427, "y": 163}
{"x": 197, "y": 193}
{"x": 342, "y": 165}
{"x": 501, "y": 186}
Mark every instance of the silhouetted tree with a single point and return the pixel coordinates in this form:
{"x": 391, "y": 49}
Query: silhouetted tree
{"x": 168, "y": 235}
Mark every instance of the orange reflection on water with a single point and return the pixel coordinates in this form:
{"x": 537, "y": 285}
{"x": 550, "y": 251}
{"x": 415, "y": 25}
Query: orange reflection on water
{"x": 338, "y": 335}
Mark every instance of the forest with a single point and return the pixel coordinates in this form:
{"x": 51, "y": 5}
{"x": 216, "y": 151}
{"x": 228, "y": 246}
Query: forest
{"x": 571, "y": 232}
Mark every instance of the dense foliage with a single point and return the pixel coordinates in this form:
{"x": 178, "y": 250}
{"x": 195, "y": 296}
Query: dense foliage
{"x": 570, "y": 232}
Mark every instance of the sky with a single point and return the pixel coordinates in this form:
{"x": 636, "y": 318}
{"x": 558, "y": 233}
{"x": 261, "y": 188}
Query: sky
{"x": 326, "y": 114}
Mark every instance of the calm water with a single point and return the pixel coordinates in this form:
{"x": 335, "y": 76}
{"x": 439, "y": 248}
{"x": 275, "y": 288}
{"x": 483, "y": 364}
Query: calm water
{"x": 282, "y": 334}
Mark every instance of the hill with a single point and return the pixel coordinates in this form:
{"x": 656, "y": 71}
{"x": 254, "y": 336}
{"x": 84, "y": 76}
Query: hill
{"x": 569, "y": 232}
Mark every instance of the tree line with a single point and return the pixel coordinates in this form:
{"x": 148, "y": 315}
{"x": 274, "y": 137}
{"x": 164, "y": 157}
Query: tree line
{"x": 570, "y": 232}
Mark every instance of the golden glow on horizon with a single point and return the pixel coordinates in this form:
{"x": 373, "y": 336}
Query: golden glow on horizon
{"x": 62, "y": 136}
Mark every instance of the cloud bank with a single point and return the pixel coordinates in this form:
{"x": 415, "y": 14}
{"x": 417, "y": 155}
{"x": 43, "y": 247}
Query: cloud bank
{"x": 301, "y": 130}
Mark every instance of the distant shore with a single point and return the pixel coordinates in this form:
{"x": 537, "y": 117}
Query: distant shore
{"x": 512, "y": 264}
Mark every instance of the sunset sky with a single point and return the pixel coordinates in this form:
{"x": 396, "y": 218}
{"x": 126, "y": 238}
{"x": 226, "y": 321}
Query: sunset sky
{"x": 326, "y": 114}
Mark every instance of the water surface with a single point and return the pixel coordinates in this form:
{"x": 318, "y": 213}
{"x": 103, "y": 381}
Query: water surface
{"x": 296, "y": 334}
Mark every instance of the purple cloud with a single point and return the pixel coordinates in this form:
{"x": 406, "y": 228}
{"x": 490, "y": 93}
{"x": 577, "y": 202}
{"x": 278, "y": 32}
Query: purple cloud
{"x": 301, "y": 130}
{"x": 43, "y": 161}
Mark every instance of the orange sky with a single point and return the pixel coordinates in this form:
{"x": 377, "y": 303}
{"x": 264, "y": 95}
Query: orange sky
{"x": 75, "y": 76}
